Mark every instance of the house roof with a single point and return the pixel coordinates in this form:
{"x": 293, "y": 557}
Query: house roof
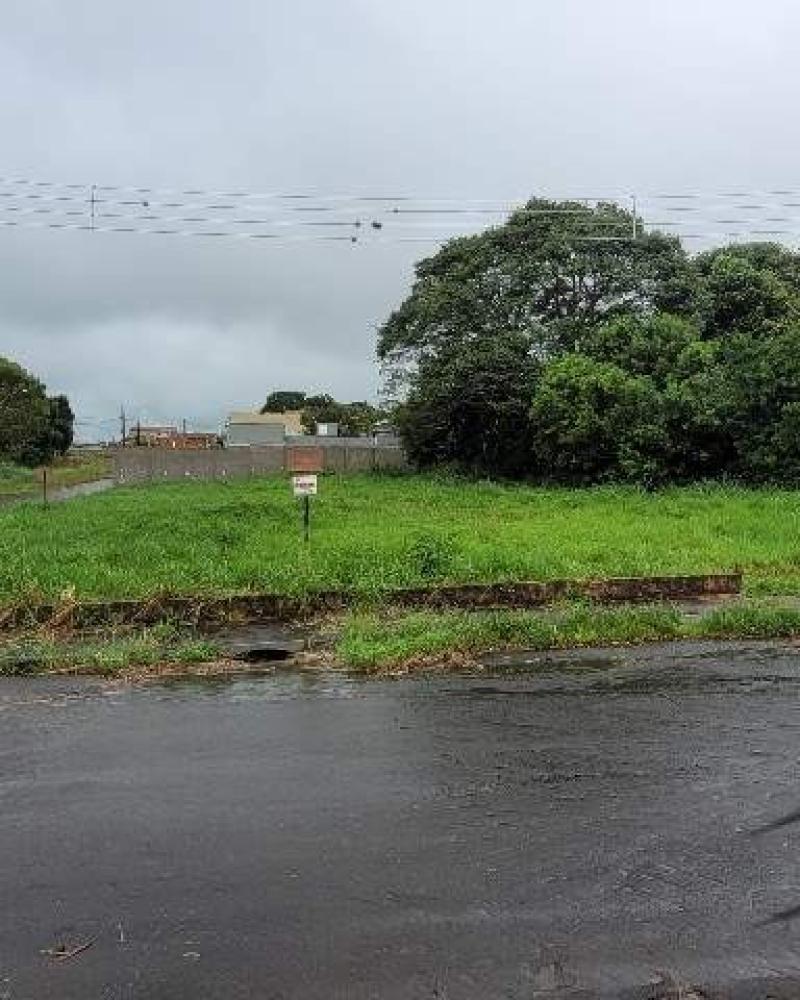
{"x": 292, "y": 420}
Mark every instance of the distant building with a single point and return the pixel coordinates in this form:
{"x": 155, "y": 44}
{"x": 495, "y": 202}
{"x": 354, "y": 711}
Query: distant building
{"x": 385, "y": 433}
{"x": 152, "y": 436}
{"x": 247, "y": 429}
{"x": 329, "y": 429}
{"x": 170, "y": 437}
{"x": 198, "y": 440}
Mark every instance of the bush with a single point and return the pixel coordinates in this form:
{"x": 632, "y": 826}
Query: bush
{"x": 593, "y": 421}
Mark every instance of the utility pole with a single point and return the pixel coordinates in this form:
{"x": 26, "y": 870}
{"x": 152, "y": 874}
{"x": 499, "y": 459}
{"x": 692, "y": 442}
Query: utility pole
{"x": 138, "y": 433}
{"x": 184, "y": 426}
{"x": 123, "y": 425}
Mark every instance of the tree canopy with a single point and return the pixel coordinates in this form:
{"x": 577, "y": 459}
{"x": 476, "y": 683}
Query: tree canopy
{"x": 571, "y": 345}
{"x": 33, "y": 427}
{"x": 460, "y": 412}
{"x": 553, "y": 268}
{"x": 282, "y": 400}
{"x": 355, "y": 418}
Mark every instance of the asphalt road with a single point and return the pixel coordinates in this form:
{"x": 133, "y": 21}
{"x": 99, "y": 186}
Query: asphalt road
{"x": 577, "y": 826}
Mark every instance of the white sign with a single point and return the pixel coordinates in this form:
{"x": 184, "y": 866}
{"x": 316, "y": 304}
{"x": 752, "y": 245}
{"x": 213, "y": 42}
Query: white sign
{"x": 304, "y": 486}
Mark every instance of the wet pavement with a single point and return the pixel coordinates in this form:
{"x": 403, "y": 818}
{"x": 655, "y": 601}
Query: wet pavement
{"x": 566, "y": 825}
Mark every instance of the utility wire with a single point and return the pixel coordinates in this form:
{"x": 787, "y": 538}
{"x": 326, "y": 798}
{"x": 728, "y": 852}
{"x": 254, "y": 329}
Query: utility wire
{"x": 402, "y": 204}
{"x": 371, "y": 218}
{"x": 408, "y": 207}
{"x": 354, "y": 224}
{"x": 33, "y": 183}
{"x": 100, "y": 205}
{"x": 359, "y": 239}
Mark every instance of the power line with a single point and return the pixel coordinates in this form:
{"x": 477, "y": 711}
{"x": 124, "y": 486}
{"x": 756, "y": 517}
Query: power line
{"x": 357, "y": 223}
{"x": 153, "y": 231}
{"x": 373, "y": 219}
{"x": 55, "y": 216}
{"x": 28, "y": 182}
{"x": 101, "y": 204}
{"x": 355, "y": 239}
{"x": 43, "y": 191}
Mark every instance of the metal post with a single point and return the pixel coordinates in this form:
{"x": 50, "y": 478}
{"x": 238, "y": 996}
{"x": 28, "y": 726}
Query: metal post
{"x": 44, "y": 487}
{"x": 306, "y": 518}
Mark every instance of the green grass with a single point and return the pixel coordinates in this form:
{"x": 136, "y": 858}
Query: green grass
{"x": 376, "y": 533}
{"x": 372, "y": 641}
{"x": 16, "y": 481}
{"x": 105, "y": 655}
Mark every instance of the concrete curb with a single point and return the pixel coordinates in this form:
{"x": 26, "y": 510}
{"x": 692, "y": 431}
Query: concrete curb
{"x": 243, "y": 608}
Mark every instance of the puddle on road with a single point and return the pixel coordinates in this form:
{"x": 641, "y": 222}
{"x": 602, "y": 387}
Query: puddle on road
{"x": 53, "y": 692}
{"x": 259, "y": 685}
{"x": 574, "y": 661}
{"x": 756, "y": 669}
{"x": 750, "y": 667}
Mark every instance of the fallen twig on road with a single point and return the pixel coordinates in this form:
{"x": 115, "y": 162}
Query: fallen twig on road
{"x": 62, "y": 954}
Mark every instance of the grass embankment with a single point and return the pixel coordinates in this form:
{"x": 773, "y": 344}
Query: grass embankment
{"x": 162, "y": 646}
{"x": 16, "y": 481}
{"x": 372, "y": 642}
{"x": 376, "y": 533}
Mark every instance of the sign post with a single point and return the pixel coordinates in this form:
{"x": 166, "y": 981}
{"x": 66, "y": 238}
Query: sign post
{"x": 306, "y": 487}
{"x": 304, "y": 462}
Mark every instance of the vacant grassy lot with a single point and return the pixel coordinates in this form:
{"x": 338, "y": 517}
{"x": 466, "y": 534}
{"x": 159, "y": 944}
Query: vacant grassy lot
{"x": 17, "y": 481}
{"x": 377, "y": 533}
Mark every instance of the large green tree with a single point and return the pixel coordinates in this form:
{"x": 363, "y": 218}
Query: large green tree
{"x": 25, "y": 416}
{"x": 61, "y": 424}
{"x": 763, "y": 394}
{"x": 594, "y": 421}
{"x": 752, "y": 288}
{"x": 691, "y": 382}
{"x": 487, "y": 311}
{"x": 282, "y": 400}
{"x": 569, "y": 344}
{"x": 550, "y": 270}
{"x": 469, "y": 408}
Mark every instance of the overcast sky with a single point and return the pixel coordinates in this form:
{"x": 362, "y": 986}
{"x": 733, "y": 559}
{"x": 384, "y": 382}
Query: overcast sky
{"x": 431, "y": 98}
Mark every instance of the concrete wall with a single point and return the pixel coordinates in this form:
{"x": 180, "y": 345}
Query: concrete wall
{"x": 255, "y": 434}
{"x": 143, "y": 465}
{"x": 381, "y": 441}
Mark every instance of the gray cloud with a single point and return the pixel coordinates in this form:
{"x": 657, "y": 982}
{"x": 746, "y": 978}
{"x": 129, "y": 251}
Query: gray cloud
{"x": 453, "y": 98}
